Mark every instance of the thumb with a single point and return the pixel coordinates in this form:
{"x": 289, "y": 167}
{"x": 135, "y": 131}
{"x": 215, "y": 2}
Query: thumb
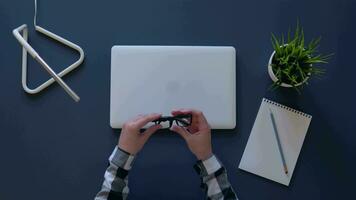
{"x": 151, "y": 130}
{"x": 181, "y": 131}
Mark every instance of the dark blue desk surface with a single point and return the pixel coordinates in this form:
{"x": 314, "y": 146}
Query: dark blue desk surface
{"x": 53, "y": 148}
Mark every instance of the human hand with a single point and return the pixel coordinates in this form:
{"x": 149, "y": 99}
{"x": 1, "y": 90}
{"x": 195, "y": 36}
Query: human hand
{"x": 197, "y": 135}
{"x": 131, "y": 139}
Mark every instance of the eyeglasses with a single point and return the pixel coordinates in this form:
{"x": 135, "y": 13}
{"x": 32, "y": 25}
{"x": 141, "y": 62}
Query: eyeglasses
{"x": 180, "y": 120}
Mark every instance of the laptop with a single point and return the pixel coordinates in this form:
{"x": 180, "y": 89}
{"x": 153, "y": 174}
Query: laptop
{"x": 158, "y": 79}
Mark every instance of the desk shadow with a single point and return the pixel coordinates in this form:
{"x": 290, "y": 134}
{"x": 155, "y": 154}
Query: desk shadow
{"x": 324, "y": 151}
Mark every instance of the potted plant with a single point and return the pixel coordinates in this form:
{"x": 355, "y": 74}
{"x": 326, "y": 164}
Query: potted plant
{"x": 293, "y": 62}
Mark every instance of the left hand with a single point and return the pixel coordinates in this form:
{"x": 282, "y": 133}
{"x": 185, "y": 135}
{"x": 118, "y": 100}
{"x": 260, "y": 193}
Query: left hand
{"x": 131, "y": 139}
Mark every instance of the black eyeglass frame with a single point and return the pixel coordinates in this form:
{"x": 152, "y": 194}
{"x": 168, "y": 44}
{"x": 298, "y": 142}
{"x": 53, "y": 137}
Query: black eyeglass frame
{"x": 177, "y": 119}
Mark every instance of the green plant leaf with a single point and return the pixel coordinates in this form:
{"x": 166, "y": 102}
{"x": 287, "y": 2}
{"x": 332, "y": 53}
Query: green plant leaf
{"x": 295, "y": 59}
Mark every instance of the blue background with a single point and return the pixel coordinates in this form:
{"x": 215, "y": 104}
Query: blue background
{"x": 54, "y": 148}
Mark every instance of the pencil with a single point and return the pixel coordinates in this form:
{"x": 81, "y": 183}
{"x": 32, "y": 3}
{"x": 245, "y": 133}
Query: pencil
{"x": 278, "y": 142}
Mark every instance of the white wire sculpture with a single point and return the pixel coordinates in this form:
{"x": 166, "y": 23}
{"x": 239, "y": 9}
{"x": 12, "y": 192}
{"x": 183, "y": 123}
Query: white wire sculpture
{"x": 27, "y": 48}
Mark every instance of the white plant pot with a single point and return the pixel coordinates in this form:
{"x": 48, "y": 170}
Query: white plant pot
{"x": 275, "y": 79}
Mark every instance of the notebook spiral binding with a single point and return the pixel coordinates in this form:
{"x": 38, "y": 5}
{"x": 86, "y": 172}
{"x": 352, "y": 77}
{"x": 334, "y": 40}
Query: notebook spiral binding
{"x": 286, "y": 108}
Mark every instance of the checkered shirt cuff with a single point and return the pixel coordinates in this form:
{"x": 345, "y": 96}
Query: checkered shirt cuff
{"x": 208, "y": 166}
{"x": 121, "y": 158}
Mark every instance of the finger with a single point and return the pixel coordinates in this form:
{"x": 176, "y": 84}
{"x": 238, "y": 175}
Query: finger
{"x": 180, "y": 130}
{"x": 138, "y": 117}
{"x": 198, "y": 116}
{"x": 133, "y": 119}
{"x": 146, "y": 119}
{"x": 151, "y": 130}
{"x": 201, "y": 117}
{"x": 187, "y": 111}
{"x": 181, "y": 111}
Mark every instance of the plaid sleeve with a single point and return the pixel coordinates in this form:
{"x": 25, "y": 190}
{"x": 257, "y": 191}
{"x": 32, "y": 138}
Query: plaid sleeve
{"x": 115, "y": 185}
{"x": 214, "y": 180}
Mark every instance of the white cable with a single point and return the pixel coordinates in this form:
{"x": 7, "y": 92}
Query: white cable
{"x": 35, "y": 17}
{"x": 27, "y": 48}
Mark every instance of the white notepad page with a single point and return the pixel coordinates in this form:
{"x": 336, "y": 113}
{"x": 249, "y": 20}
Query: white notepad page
{"x": 261, "y": 155}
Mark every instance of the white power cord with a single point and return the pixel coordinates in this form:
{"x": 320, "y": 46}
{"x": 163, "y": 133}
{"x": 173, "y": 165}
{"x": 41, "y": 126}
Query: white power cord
{"x": 27, "y": 48}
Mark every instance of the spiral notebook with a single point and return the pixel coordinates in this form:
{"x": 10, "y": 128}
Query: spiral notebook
{"x": 262, "y": 156}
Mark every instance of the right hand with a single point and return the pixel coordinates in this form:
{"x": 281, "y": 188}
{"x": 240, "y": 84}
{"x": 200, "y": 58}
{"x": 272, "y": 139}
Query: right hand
{"x": 197, "y": 135}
